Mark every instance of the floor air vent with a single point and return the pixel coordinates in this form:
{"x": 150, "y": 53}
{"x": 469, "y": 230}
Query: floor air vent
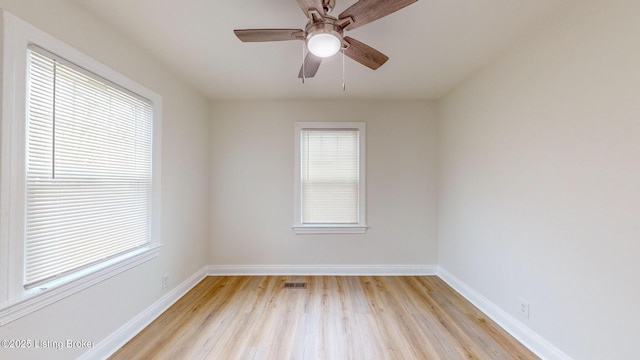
{"x": 291, "y": 285}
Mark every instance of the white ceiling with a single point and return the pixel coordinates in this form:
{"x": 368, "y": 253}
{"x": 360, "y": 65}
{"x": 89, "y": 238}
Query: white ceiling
{"x": 433, "y": 44}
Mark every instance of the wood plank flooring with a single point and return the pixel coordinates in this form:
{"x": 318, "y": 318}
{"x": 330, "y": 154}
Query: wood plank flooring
{"x": 335, "y": 317}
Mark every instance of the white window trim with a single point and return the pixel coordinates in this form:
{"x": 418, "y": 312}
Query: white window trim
{"x": 300, "y": 228}
{"x": 15, "y": 301}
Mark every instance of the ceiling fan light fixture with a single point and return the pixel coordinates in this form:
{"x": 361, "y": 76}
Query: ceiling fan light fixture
{"x": 323, "y": 35}
{"x": 324, "y": 44}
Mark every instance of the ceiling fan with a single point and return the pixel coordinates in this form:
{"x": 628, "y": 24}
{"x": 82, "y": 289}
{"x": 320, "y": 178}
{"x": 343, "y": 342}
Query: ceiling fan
{"x": 324, "y": 34}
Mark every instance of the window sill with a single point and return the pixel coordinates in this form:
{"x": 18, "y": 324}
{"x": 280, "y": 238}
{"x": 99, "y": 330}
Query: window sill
{"x": 48, "y": 294}
{"x": 329, "y": 229}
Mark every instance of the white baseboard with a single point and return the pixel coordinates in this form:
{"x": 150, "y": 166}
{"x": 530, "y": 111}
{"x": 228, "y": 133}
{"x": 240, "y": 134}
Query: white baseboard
{"x": 115, "y": 341}
{"x": 320, "y": 270}
{"x": 517, "y": 329}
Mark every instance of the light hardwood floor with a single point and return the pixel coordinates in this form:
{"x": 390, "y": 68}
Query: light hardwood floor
{"x": 335, "y": 317}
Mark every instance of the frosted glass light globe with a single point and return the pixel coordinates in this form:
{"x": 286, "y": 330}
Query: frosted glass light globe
{"x": 324, "y": 45}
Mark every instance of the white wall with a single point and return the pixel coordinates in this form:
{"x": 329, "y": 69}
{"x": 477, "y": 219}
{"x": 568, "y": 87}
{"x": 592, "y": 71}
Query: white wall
{"x": 252, "y": 184}
{"x": 97, "y": 312}
{"x": 540, "y": 181}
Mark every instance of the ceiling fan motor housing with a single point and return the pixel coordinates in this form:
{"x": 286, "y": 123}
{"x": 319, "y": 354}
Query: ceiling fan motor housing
{"x": 326, "y": 26}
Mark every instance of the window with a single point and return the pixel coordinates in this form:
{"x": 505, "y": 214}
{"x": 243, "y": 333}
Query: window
{"x": 329, "y": 182}
{"x": 79, "y": 171}
{"x": 88, "y": 169}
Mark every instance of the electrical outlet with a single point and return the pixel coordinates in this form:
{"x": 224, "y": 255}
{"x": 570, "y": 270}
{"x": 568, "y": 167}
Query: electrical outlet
{"x": 524, "y": 308}
{"x": 165, "y": 281}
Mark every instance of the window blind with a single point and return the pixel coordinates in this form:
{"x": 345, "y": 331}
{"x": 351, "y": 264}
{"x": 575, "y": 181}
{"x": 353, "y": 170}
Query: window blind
{"x": 330, "y": 178}
{"x": 88, "y": 180}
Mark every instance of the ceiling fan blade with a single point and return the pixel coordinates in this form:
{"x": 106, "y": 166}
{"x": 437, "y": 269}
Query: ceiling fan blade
{"x": 307, "y": 5}
{"x": 364, "y": 54}
{"x": 259, "y": 35}
{"x": 366, "y": 11}
{"x": 311, "y": 65}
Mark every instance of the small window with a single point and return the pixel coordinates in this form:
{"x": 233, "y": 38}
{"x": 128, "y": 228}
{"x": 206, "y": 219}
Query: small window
{"x": 329, "y": 183}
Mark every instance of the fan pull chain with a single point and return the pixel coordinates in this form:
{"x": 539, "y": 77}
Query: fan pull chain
{"x": 344, "y": 86}
{"x": 303, "y": 47}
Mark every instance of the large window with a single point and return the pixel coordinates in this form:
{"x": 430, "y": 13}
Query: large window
{"x": 79, "y": 174}
{"x": 88, "y": 169}
{"x": 329, "y": 184}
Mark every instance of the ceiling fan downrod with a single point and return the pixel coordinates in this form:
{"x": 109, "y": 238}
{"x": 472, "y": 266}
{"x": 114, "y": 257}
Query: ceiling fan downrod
{"x": 328, "y": 5}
